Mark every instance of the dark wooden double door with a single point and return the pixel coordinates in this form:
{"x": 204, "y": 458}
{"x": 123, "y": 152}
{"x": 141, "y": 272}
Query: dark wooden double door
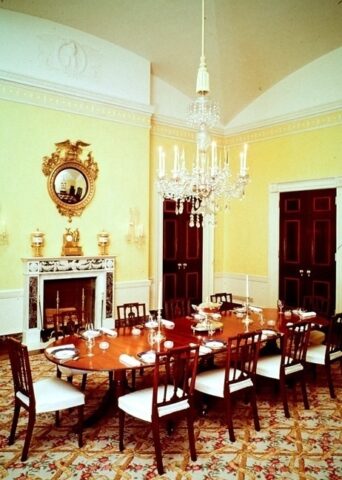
{"x": 182, "y": 255}
{"x": 307, "y": 246}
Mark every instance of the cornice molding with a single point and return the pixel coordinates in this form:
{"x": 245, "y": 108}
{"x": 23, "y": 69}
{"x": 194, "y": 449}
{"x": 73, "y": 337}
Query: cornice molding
{"x": 296, "y": 126}
{"x": 82, "y": 103}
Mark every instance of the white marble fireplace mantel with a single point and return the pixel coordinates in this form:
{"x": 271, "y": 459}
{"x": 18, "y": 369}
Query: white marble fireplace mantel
{"x": 37, "y": 270}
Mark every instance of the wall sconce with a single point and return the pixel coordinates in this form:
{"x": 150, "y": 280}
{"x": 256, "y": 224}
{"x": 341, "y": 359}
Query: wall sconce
{"x": 3, "y": 235}
{"x": 103, "y": 242}
{"x": 135, "y": 229}
{"x": 3, "y": 231}
{"x": 37, "y": 243}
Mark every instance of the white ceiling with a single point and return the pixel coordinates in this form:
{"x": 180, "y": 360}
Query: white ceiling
{"x": 250, "y": 45}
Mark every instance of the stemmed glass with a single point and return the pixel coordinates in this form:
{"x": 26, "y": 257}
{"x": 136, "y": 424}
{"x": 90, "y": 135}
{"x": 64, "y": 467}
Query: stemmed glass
{"x": 90, "y": 344}
{"x": 151, "y": 339}
{"x": 280, "y": 306}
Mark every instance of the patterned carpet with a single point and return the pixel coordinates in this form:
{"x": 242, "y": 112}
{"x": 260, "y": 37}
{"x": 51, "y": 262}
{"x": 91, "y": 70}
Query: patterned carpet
{"x": 305, "y": 447}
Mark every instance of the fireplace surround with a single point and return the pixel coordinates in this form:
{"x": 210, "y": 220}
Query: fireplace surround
{"x": 39, "y": 271}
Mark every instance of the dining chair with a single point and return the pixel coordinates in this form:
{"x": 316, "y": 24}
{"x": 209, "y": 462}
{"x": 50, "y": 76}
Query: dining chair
{"x": 66, "y": 324}
{"x": 289, "y": 364}
{"x": 238, "y": 375}
{"x": 44, "y": 395}
{"x": 177, "y": 307}
{"x": 171, "y": 395}
{"x": 331, "y": 351}
{"x": 316, "y": 303}
{"x": 130, "y": 314}
{"x": 225, "y": 298}
{"x": 221, "y": 297}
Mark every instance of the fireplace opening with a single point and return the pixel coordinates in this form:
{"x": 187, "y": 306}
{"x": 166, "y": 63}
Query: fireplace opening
{"x": 68, "y": 295}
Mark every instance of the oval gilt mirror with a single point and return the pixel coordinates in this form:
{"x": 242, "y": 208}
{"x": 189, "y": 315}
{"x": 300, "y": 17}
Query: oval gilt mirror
{"x": 71, "y": 179}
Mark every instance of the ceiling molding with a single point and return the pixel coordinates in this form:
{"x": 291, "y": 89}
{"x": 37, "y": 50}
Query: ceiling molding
{"x": 84, "y": 103}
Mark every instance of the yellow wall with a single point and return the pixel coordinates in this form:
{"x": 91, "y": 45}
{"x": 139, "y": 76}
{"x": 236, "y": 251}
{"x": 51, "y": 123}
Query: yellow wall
{"x": 310, "y": 149}
{"x": 126, "y": 154}
{"x": 121, "y": 150}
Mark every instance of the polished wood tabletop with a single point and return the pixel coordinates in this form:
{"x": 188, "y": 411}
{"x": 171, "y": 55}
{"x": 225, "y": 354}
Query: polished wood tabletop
{"x": 183, "y": 333}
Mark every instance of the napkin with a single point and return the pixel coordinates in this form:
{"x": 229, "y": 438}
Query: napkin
{"x": 108, "y": 331}
{"x": 204, "y": 350}
{"x": 129, "y": 360}
{"x": 149, "y": 357}
{"x": 60, "y": 347}
{"x": 168, "y": 323}
{"x": 307, "y": 314}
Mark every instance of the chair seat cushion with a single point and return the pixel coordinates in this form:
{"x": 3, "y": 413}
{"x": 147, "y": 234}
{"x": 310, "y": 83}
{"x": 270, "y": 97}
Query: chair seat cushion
{"x": 54, "y": 394}
{"x": 139, "y": 403}
{"x": 316, "y": 354}
{"x": 316, "y": 337}
{"x": 270, "y": 367}
{"x": 211, "y": 382}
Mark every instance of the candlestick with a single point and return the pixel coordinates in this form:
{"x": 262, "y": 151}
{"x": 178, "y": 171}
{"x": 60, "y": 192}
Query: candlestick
{"x": 160, "y": 295}
{"x": 247, "y": 288}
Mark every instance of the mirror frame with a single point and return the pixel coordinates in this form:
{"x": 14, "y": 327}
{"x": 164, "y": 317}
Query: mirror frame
{"x": 68, "y": 157}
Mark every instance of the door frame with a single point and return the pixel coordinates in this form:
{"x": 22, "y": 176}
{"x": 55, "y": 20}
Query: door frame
{"x": 273, "y": 231}
{"x": 207, "y": 253}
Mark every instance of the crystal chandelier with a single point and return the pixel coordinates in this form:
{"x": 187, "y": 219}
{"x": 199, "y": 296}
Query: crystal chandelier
{"x": 208, "y": 185}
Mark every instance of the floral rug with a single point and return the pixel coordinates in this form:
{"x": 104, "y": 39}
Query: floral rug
{"x": 306, "y": 446}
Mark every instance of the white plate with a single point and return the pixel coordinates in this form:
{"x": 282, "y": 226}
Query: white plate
{"x": 204, "y": 327}
{"x": 214, "y": 344}
{"x": 64, "y": 354}
{"x": 90, "y": 333}
{"x": 153, "y": 324}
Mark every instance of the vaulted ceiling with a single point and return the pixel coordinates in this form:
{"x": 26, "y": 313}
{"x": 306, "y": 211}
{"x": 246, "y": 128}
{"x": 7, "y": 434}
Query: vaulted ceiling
{"x": 250, "y": 45}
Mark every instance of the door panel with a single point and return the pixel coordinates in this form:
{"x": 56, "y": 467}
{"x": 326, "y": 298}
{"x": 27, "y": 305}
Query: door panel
{"x": 182, "y": 255}
{"x": 307, "y": 246}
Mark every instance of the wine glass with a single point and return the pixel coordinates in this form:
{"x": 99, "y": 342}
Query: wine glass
{"x": 90, "y": 344}
{"x": 151, "y": 339}
{"x": 211, "y": 328}
{"x": 280, "y": 305}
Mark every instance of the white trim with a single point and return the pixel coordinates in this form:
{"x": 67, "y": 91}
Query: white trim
{"x": 273, "y": 230}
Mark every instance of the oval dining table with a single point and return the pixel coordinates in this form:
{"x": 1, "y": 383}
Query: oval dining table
{"x": 183, "y": 333}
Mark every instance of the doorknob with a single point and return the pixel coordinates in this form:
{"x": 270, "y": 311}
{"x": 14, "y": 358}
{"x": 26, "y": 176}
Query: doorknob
{"x": 301, "y": 271}
{"x": 179, "y": 265}
{"x": 308, "y": 272}
{"x": 184, "y": 265}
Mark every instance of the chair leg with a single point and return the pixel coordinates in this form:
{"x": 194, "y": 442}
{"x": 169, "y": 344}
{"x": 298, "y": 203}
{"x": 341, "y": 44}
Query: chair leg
{"x": 11, "y": 438}
{"x": 31, "y": 422}
{"x": 192, "y": 445}
{"x": 229, "y": 419}
{"x": 283, "y": 392}
{"x": 157, "y": 447}
{"x": 84, "y": 382}
{"x": 80, "y": 425}
{"x": 121, "y": 429}
{"x": 304, "y": 393}
{"x": 57, "y": 418}
{"x": 330, "y": 381}
{"x": 255, "y": 410}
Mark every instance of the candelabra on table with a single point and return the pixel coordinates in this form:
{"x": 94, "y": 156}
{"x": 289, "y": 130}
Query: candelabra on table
{"x": 159, "y": 335}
